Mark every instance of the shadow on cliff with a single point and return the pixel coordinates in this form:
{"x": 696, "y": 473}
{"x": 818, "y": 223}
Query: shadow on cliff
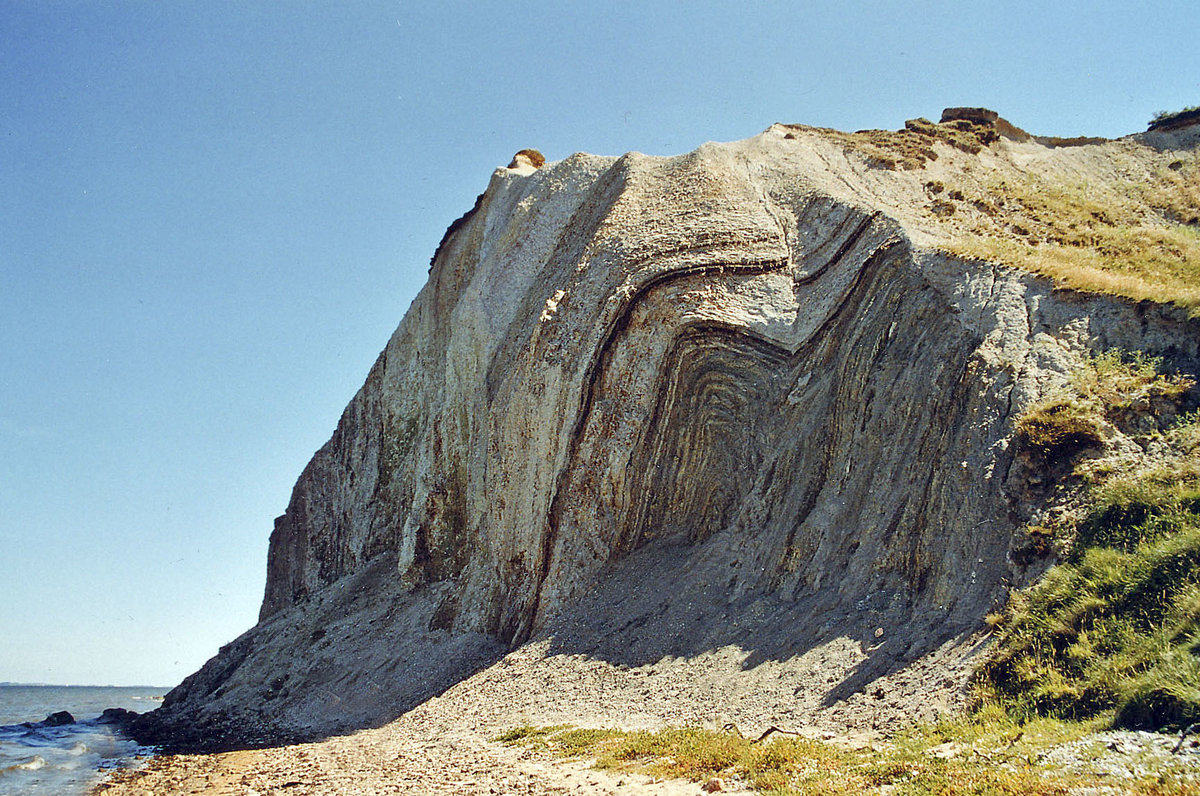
{"x": 356, "y": 655}
{"x": 363, "y": 652}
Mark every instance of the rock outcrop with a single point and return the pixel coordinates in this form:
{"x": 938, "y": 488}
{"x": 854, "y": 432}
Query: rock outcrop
{"x": 657, "y": 409}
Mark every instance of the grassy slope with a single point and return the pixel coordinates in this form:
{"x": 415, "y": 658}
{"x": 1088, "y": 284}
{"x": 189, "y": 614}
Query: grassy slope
{"x": 1131, "y": 228}
{"x": 1140, "y": 240}
{"x": 1115, "y": 629}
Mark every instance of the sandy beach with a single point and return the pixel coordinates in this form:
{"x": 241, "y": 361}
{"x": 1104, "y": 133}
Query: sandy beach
{"x": 446, "y": 744}
{"x": 403, "y": 757}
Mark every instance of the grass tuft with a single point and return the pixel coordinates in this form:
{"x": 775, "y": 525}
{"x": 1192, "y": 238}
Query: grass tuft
{"x": 1125, "y": 392}
{"x": 526, "y": 733}
{"x": 1058, "y": 429}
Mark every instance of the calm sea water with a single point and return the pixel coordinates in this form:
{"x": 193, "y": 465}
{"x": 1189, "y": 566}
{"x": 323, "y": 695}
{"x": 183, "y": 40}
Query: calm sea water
{"x": 64, "y": 761}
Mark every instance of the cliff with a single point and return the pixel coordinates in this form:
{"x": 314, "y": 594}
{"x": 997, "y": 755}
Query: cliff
{"x": 744, "y": 415}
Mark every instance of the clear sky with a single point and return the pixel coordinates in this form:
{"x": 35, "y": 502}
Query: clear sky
{"x": 213, "y": 214}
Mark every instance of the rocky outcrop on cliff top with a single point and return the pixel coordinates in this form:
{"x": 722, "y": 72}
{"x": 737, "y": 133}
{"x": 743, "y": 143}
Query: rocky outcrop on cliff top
{"x": 718, "y": 434}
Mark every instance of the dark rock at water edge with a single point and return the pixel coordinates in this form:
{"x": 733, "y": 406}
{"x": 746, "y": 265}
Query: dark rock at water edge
{"x": 191, "y": 735}
{"x": 117, "y": 716}
{"x": 59, "y": 719}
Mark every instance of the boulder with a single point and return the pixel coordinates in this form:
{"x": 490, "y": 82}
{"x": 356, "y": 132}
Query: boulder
{"x": 117, "y": 716}
{"x": 981, "y": 116}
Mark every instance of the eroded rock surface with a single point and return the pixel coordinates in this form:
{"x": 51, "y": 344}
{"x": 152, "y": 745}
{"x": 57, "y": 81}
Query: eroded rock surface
{"x": 733, "y": 414}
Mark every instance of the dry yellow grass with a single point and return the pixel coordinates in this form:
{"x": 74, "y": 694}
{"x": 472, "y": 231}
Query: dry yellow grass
{"x": 1140, "y": 240}
{"x": 986, "y": 754}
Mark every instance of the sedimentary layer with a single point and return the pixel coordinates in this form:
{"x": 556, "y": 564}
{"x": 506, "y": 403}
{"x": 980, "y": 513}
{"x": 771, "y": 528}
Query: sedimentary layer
{"x": 738, "y": 408}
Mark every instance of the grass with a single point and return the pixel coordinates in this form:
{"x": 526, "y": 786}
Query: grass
{"x": 1059, "y": 428}
{"x": 911, "y": 148}
{"x": 1110, "y": 633}
{"x": 1137, "y": 239}
{"x": 1113, "y": 632}
{"x": 988, "y": 753}
{"x": 1111, "y": 391}
{"x": 1136, "y": 236}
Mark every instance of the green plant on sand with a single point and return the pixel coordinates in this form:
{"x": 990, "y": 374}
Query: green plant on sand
{"x": 987, "y": 753}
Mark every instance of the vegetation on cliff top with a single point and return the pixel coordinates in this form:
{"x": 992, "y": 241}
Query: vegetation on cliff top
{"x": 1166, "y": 120}
{"x": 911, "y": 148}
{"x": 1122, "y": 233}
{"x": 1126, "y": 237}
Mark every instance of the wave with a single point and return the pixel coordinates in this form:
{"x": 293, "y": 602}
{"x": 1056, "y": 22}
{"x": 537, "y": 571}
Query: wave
{"x": 49, "y": 759}
{"x": 32, "y": 764}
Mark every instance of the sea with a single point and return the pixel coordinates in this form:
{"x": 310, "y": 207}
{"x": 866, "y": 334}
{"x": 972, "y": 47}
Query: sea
{"x": 67, "y": 760}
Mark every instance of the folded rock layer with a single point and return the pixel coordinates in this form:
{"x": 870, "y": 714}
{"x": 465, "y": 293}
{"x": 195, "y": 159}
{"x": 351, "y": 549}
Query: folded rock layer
{"x": 655, "y": 408}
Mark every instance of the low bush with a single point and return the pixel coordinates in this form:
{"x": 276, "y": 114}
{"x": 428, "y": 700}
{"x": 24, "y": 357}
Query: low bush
{"x": 1127, "y": 392}
{"x": 1058, "y": 429}
{"x": 1168, "y": 119}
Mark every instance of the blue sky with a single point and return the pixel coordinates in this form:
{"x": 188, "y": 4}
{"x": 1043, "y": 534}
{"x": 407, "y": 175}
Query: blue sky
{"x": 213, "y": 214}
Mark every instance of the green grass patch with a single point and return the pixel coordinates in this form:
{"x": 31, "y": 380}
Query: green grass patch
{"x": 1058, "y": 429}
{"x": 1113, "y": 632}
{"x": 527, "y": 733}
{"x": 1107, "y": 633}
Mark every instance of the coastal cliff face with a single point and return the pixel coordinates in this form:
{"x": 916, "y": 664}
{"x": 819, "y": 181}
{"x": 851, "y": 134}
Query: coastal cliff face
{"x": 657, "y": 409}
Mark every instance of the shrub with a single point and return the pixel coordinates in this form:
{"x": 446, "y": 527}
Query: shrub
{"x": 1127, "y": 391}
{"x": 1058, "y": 429}
{"x": 1167, "y": 119}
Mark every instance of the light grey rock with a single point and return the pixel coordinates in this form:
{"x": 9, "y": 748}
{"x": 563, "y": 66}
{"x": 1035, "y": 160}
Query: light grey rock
{"x": 657, "y": 408}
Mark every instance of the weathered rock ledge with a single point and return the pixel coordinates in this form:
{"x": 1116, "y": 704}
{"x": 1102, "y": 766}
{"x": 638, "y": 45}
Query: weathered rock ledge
{"x": 725, "y": 433}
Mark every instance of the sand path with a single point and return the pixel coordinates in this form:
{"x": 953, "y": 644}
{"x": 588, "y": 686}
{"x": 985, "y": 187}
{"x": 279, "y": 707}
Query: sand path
{"x": 384, "y": 761}
{"x": 413, "y": 755}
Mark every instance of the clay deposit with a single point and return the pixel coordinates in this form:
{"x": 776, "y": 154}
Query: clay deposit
{"x": 717, "y": 437}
